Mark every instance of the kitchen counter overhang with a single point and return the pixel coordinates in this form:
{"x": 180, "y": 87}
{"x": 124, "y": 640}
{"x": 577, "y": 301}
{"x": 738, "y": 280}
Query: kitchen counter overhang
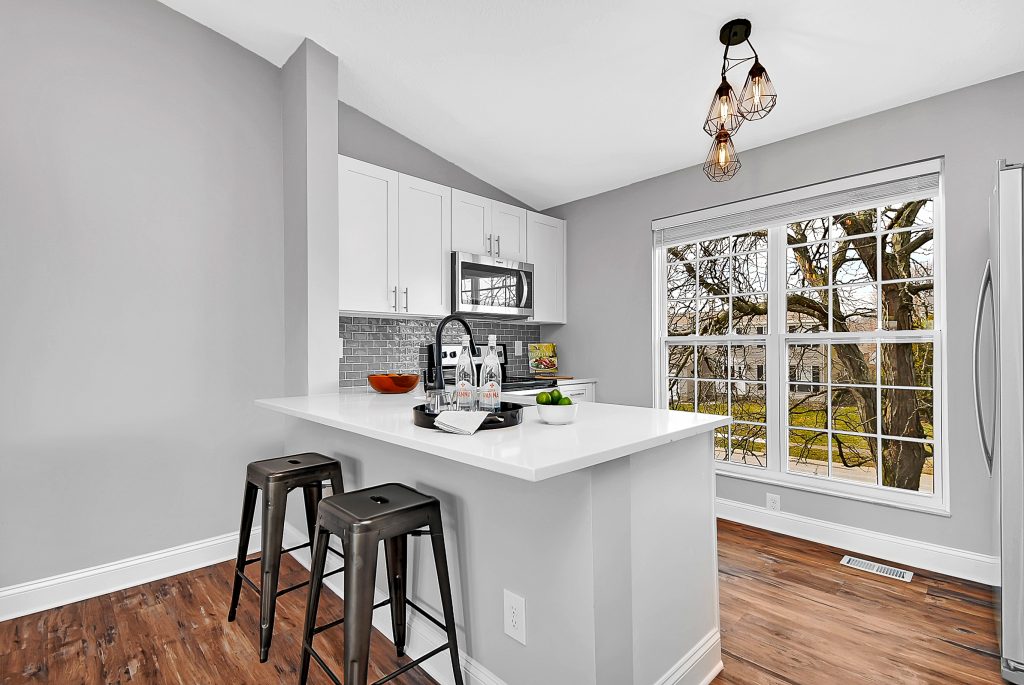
{"x": 531, "y": 451}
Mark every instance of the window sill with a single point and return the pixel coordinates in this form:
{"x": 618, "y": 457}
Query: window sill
{"x": 934, "y": 507}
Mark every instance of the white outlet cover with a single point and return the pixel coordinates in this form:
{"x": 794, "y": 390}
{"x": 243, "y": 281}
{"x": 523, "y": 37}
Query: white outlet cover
{"x": 773, "y": 502}
{"x": 515, "y": 617}
{"x": 519, "y": 348}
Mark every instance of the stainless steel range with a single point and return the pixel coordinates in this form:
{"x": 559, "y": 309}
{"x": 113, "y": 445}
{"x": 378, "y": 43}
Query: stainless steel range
{"x": 450, "y": 356}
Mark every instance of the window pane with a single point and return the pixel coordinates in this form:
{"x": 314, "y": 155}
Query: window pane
{"x": 855, "y": 309}
{"x": 714, "y": 276}
{"x": 807, "y": 231}
{"x": 855, "y": 410}
{"x": 855, "y": 261}
{"x": 853, "y": 458}
{"x": 907, "y": 413}
{"x": 907, "y": 364}
{"x": 682, "y": 317}
{"x": 750, "y": 242}
{"x": 750, "y": 273}
{"x": 712, "y": 248}
{"x": 681, "y": 253}
{"x": 908, "y": 306}
{"x": 807, "y": 266}
{"x": 681, "y": 280}
{"x": 907, "y": 254}
{"x": 807, "y": 363}
{"x": 713, "y": 314}
{"x": 750, "y": 314}
{"x": 681, "y": 394}
{"x": 807, "y": 311}
{"x": 808, "y": 406}
{"x": 808, "y": 452}
{"x": 713, "y": 397}
{"x": 907, "y": 214}
{"x": 722, "y": 444}
{"x": 713, "y": 361}
{"x": 749, "y": 362}
{"x": 749, "y": 402}
{"x": 749, "y": 444}
{"x": 855, "y": 363}
{"x": 680, "y": 361}
{"x": 854, "y": 223}
{"x": 908, "y": 465}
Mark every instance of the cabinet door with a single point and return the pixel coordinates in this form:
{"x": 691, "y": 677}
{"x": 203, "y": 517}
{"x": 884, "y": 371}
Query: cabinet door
{"x": 368, "y": 236}
{"x": 471, "y": 223}
{"x": 424, "y": 246}
{"x": 579, "y": 392}
{"x": 508, "y": 229}
{"x": 545, "y": 249}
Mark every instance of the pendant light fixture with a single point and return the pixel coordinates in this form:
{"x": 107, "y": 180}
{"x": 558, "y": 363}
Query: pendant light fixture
{"x": 728, "y": 112}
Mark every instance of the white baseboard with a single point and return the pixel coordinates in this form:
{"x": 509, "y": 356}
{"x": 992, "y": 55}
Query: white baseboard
{"x": 699, "y": 666}
{"x": 422, "y": 635}
{"x": 959, "y": 563}
{"x": 47, "y": 593}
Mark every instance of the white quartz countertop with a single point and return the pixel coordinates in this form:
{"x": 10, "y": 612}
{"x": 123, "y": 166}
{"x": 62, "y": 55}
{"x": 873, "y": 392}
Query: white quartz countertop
{"x": 531, "y": 451}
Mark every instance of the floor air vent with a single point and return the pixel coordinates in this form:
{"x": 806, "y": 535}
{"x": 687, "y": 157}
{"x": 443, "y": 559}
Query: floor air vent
{"x": 879, "y": 569}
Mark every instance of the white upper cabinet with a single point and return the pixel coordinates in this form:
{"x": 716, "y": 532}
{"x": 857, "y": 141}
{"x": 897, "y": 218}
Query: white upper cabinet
{"x": 508, "y": 231}
{"x": 424, "y": 246}
{"x": 368, "y": 236}
{"x": 471, "y": 223}
{"x": 545, "y": 249}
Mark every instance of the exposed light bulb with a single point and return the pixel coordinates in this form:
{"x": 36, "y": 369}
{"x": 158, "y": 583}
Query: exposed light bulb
{"x": 721, "y": 163}
{"x": 723, "y": 111}
{"x": 758, "y": 96}
{"x": 723, "y": 154}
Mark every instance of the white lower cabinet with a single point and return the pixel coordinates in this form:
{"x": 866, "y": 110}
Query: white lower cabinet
{"x": 578, "y": 392}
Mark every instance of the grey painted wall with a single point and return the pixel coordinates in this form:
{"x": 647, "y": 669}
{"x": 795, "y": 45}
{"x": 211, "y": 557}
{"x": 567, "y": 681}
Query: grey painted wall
{"x": 609, "y": 329}
{"x": 141, "y": 287}
{"x": 365, "y": 138}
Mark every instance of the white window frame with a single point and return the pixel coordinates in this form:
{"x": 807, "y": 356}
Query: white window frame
{"x": 776, "y": 472}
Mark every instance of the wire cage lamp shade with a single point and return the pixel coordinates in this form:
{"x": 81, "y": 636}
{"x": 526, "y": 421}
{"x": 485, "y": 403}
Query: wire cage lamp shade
{"x": 724, "y": 111}
{"x": 722, "y": 163}
{"x": 758, "y": 95}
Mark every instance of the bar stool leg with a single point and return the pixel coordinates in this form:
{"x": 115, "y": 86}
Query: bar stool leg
{"x": 316, "y": 581}
{"x": 395, "y": 554}
{"x": 360, "y": 570}
{"x": 244, "y": 531}
{"x": 311, "y": 495}
{"x": 274, "y": 499}
{"x": 337, "y": 484}
{"x": 445, "y": 585}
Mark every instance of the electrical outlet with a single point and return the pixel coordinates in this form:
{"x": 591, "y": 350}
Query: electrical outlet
{"x": 515, "y": 617}
{"x": 774, "y": 502}
{"x": 519, "y": 348}
{"x": 341, "y": 348}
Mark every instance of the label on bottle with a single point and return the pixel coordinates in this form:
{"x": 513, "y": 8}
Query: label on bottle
{"x": 490, "y": 395}
{"x": 464, "y": 393}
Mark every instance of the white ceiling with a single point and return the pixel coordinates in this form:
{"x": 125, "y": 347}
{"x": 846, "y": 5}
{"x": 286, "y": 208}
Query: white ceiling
{"x": 554, "y": 100}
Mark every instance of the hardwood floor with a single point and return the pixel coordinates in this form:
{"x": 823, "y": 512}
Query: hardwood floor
{"x": 176, "y": 631}
{"x": 790, "y": 616}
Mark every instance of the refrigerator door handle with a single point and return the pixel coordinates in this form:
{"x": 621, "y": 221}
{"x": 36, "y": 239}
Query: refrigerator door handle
{"x": 986, "y": 286}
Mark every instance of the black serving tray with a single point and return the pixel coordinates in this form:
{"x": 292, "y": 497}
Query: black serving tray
{"x": 509, "y": 414}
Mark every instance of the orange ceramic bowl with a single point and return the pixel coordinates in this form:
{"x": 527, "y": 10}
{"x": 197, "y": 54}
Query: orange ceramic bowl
{"x": 393, "y": 383}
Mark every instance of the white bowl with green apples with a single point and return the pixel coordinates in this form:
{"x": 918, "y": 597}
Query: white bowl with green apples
{"x": 555, "y": 408}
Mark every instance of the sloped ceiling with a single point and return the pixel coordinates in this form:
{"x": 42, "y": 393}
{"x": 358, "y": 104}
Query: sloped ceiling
{"x": 554, "y": 100}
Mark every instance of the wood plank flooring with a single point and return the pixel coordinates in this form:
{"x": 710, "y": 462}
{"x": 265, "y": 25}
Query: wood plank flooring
{"x": 790, "y": 616}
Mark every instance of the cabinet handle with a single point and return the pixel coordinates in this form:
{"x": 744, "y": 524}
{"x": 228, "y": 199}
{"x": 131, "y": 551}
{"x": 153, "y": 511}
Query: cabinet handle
{"x": 490, "y": 247}
{"x": 499, "y": 245}
{"x": 394, "y": 291}
{"x": 406, "y": 299}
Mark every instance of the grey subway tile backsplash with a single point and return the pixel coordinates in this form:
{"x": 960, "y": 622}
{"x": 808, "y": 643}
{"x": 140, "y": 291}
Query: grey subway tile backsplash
{"x": 382, "y": 345}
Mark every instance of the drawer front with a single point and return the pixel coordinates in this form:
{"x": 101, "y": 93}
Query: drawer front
{"x": 579, "y": 392}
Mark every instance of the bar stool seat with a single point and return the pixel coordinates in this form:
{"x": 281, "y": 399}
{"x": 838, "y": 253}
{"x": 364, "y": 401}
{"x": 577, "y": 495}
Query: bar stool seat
{"x": 276, "y": 478}
{"x": 362, "y": 519}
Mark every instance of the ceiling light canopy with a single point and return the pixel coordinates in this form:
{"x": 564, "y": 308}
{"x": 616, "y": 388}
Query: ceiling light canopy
{"x": 727, "y": 111}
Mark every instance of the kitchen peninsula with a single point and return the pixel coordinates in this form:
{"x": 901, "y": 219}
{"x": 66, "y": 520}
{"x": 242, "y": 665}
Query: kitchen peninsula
{"x": 606, "y": 527}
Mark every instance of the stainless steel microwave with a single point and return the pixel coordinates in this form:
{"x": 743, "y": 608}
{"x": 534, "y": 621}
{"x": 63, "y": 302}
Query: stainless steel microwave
{"x": 488, "y": 286}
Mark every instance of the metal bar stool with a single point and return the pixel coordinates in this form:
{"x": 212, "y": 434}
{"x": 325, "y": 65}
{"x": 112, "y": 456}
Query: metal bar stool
{"x": 363, "y": 518}
{"x": 277, "y": 477}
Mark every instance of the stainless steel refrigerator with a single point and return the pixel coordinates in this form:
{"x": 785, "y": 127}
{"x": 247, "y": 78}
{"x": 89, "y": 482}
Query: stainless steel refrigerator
{"x": 1000, "y": 403}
